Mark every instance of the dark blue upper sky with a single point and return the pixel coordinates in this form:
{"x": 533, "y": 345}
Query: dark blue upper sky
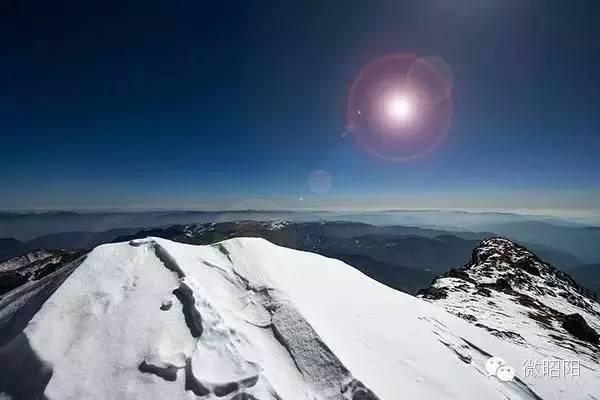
{"x": 189, "y": 104}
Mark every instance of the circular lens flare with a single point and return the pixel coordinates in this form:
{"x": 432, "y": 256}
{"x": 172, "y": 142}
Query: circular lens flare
{"x": 400, "y": 107}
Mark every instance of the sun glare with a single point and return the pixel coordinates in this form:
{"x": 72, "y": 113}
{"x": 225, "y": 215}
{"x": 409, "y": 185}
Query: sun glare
{"x": 399, "y": 108}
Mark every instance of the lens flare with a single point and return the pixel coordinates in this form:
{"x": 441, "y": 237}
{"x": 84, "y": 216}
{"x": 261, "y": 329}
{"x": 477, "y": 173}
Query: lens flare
{"x": 400, "y": 106}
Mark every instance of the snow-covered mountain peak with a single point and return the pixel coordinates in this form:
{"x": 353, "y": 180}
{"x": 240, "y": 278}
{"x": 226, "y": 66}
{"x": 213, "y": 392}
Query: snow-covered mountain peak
{"x": 507, "y": 258}
{"x": 503, "y": 265}
{"x": 501, "y": 258}
{"x": 510, "y": 292}
{"x": 244, "y": 319}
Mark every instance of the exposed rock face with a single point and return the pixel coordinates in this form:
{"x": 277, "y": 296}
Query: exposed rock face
{"x": 433, "y": 293}
{"x": 576, "y": 325}
{"x": 512, "y": 293}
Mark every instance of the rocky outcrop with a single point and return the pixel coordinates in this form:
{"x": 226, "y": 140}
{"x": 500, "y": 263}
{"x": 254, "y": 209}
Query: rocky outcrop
{"x": 33, "y": 266}
{"x": 575, "y": 324}
{"x": 510, "y": 292}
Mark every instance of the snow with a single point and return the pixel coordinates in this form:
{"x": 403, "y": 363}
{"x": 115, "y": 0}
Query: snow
{"x": 16, "y": 263}
{"x": 154, "y": 319}
{"x": 504, "y": 315}
{"x": 37, "y": 263}
{"x": 278, "y": 224}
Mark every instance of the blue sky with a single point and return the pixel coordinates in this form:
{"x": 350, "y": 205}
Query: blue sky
{"x": 186, "y": 105}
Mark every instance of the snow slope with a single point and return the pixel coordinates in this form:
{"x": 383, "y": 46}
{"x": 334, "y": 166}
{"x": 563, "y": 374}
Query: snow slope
{"x": 245, "y": 319}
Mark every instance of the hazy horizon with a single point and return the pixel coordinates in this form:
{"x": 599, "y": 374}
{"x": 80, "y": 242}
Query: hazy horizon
{"x": 540, "y": 204}
{"x": 591, "y": 217}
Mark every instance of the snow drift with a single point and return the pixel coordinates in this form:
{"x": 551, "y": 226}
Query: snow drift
{"x": 245, "y": 319}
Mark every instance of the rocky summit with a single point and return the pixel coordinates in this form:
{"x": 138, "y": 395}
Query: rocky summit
{"x": 512, "y": 293}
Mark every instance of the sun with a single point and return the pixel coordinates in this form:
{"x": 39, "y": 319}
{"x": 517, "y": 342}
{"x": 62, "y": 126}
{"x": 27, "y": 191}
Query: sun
{"x": 399, "y": 107}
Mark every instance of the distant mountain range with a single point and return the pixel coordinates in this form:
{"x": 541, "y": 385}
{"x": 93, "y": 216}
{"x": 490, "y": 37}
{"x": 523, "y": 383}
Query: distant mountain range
{"x": 404, "y": 257}
{"x": 570, "y": 236}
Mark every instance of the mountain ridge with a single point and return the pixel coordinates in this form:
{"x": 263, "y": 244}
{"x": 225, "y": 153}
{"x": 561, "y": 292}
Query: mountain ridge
{"x": 246, "y": 319}
{"x": 508, "y": 291}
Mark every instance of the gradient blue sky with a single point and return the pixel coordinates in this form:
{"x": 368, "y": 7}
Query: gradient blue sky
{"x": 187, "y": 104}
